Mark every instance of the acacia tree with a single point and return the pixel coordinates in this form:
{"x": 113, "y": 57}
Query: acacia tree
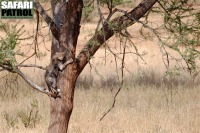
{"x": 65, "y": 28}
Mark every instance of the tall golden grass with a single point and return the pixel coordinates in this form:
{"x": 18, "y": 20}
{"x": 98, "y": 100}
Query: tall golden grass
{"x": 147, "y": 103}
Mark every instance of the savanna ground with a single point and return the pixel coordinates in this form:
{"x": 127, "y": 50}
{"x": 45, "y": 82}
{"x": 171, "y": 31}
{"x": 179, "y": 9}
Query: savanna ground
{"x": 149, "y": 101}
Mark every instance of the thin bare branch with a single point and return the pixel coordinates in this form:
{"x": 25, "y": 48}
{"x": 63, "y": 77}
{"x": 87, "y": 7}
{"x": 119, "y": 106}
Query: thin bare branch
{"x": 54, "y": 29}
{"x": 163, "y": 8}
{"x": 31, "y": 83}
{"x": 31, "y": 65}
{"x": 36, "y": 34}
{"x": 26, "y": 78}
{"x": 118, "y": 24}
{"x": 121, "y": 85}
{"x": 162, "y": 48}
{"x": 27, "y": 59}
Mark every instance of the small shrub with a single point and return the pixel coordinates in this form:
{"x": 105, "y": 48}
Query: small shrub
{"x": 10, "y": 119}
{"x": 30, "y": 117}
{"x": 10, "y": 87}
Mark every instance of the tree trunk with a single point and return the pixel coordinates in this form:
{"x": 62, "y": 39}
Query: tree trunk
{"x": 61, "y": 108}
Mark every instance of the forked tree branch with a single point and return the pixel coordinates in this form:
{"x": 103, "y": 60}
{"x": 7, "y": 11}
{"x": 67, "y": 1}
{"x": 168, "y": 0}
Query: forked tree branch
{"x": 26, "y": 78}
{"x": 54, "y": 29}
{"x": 108, "y": 30}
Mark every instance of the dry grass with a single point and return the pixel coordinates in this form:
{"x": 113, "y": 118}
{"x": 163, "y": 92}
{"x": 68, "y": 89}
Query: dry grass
{"x": 141, "y": 109}
{"x": 144, "y": 105}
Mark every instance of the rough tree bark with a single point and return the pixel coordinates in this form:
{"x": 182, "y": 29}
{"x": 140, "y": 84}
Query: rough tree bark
{"x": 61, "y": 107}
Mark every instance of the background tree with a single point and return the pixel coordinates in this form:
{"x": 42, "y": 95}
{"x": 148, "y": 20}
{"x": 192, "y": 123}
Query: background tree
{"x": 180, "y": 18}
